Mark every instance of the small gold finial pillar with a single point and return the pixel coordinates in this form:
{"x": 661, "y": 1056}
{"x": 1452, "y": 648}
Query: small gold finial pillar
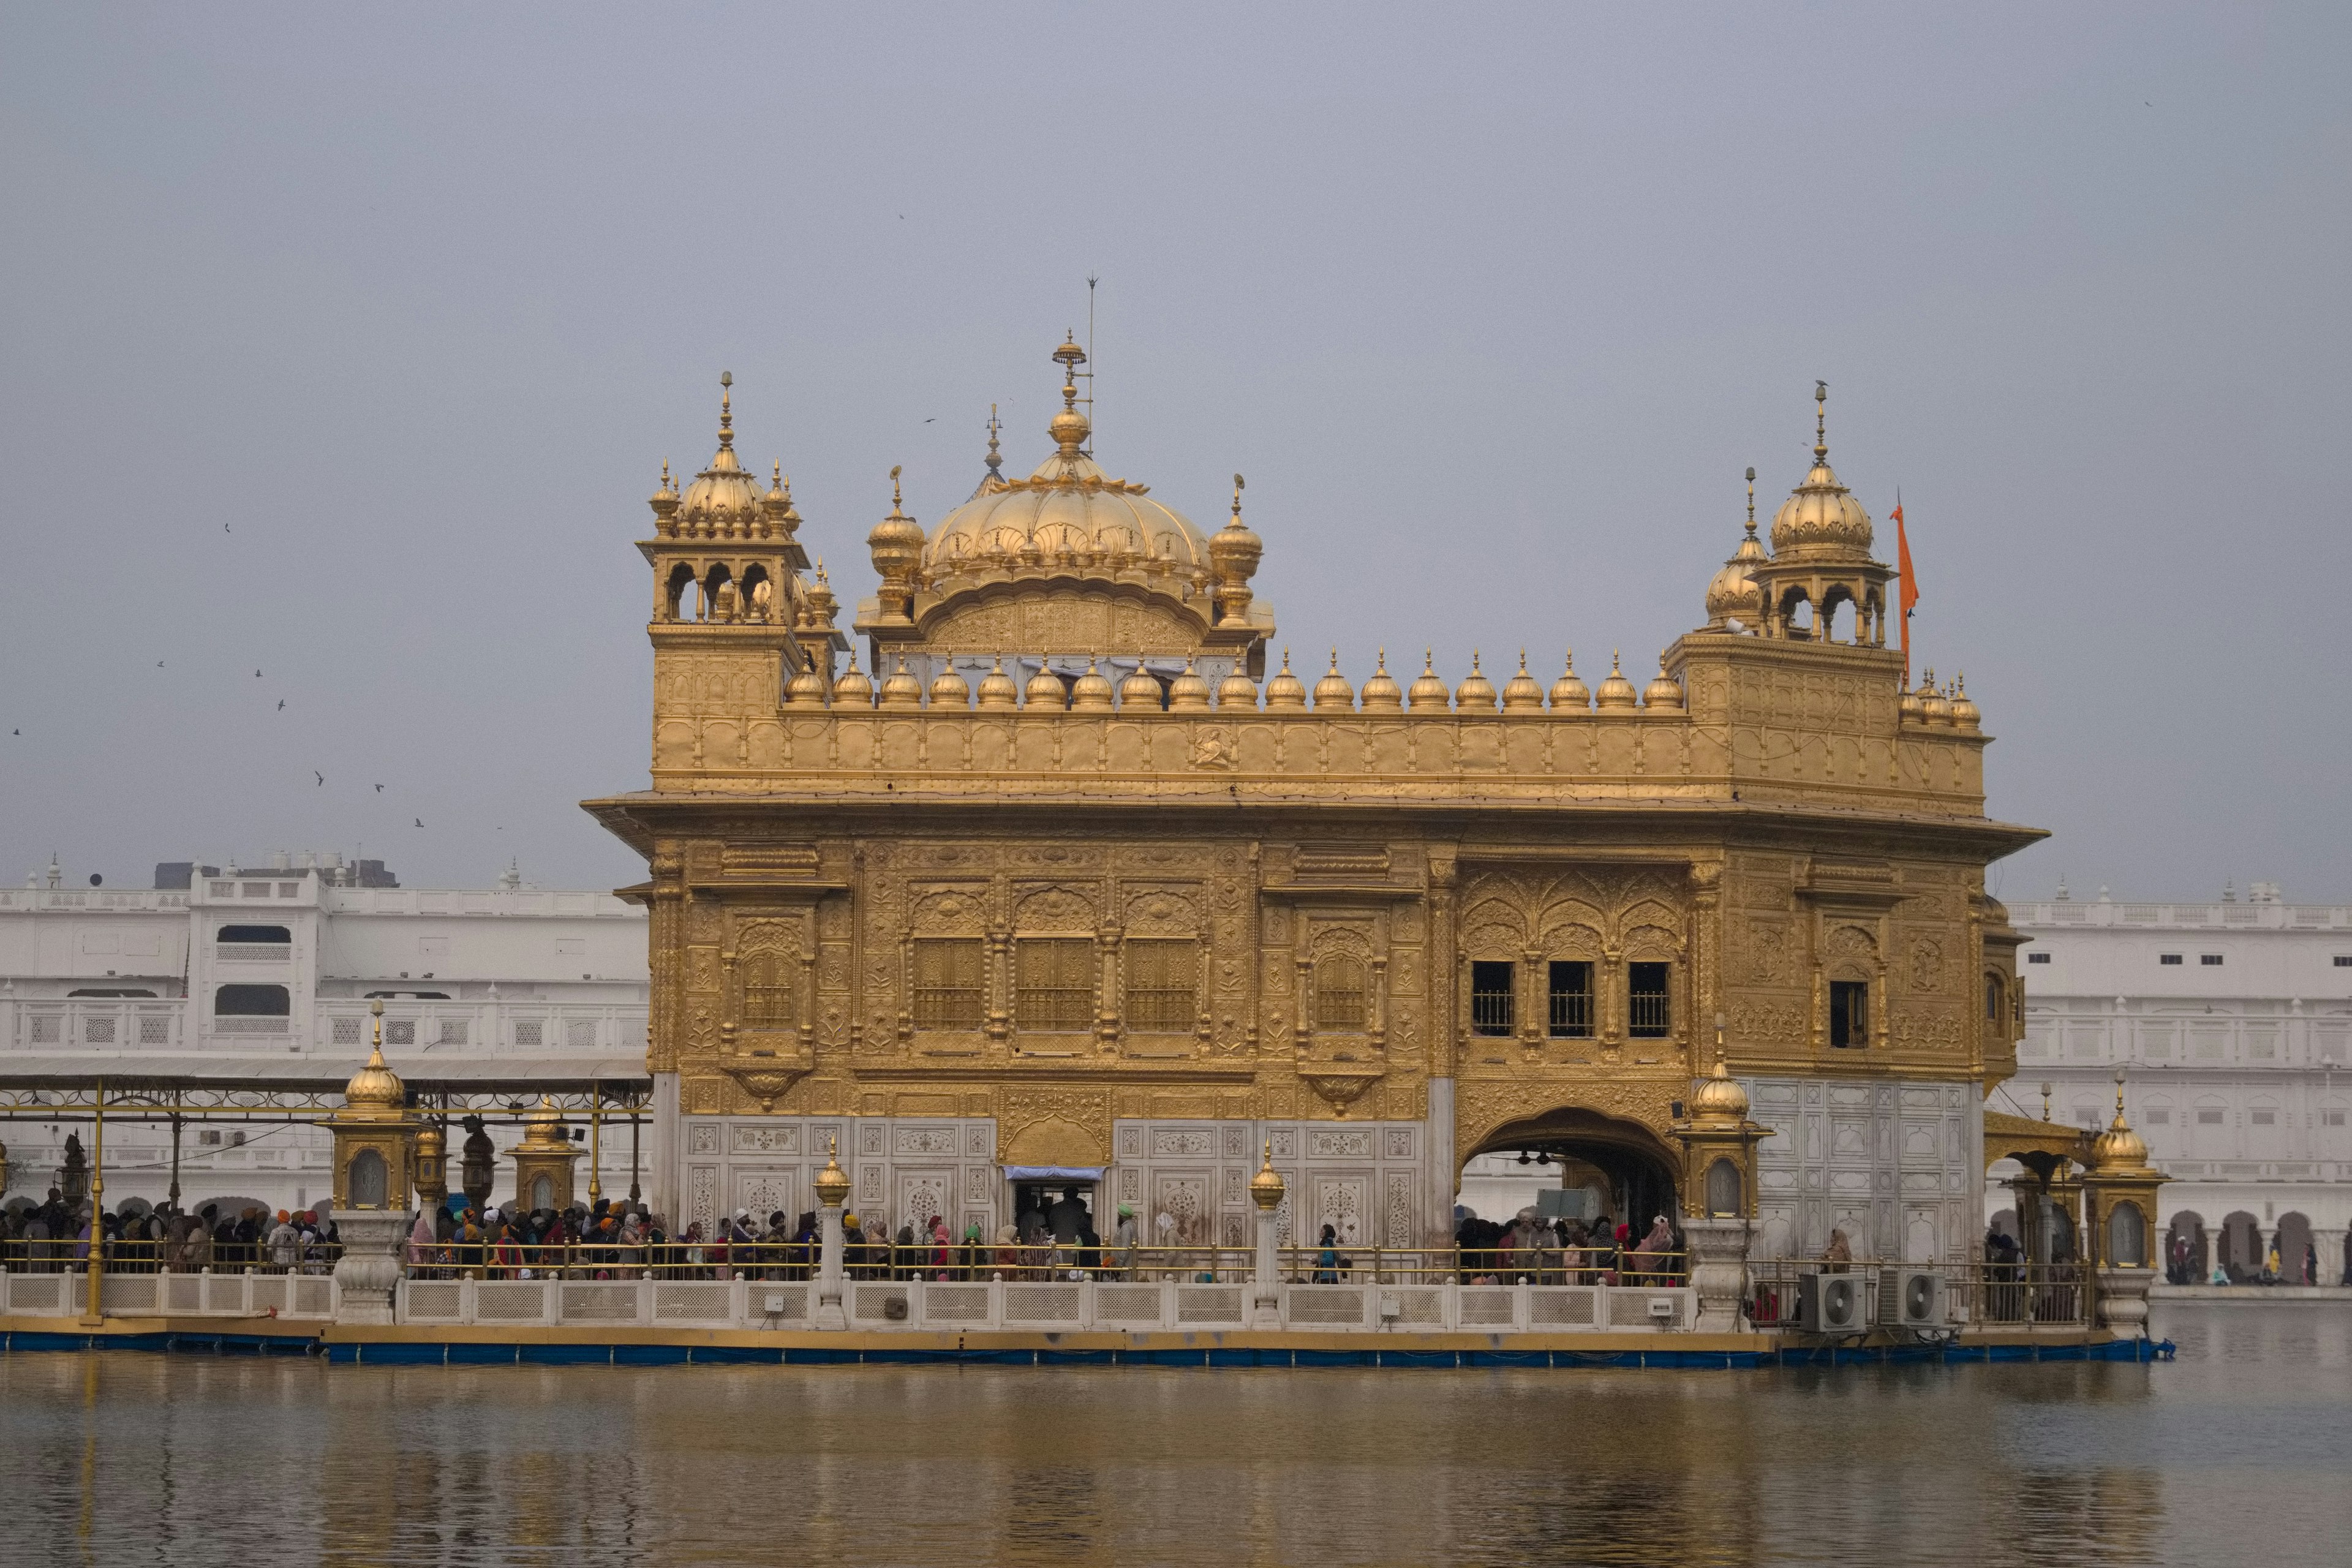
{"x": 543, "y": 1160}
{"x": 375, "y": 1135}
{"x": 93, "y": 1311}
{"x": 1820, "y": 422}
{"x": 1266, "y": 1190}
{"x": 832, "y": 1189}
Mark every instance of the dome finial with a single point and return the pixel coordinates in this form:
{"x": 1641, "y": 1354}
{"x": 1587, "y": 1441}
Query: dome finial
{"x": 995, "y": 459}
{"x": 1237, "y": 501}
{"x": 1069, "y": 429}
{"x": 1752, "y": 501}
{"x": 1820, "y": 422}
{"x": 726, "y": 409}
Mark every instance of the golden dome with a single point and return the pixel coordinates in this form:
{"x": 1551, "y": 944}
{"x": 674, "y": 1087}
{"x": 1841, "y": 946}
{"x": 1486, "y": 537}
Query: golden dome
{"x": 1266, "y": 1188}
{"x": 1091, "y": 692}
{"x": 1964, "y": 712}
{"x": 1141, "y": 689}
{"x": 543, "y": 1133}
{"x": 723, "y": 500}
{"x": 1520, "y": 693}
{"x": 901, "y": 689}
{"x": 1617, "y": 691}
{"x": 1718, "y": 1097}
{"x": 1047, "y": 690}
{"x": 1333, "y": 690}
{"x": 1237, "y": 689}
{"x": 376, "y": 1090}
{"x": 819, "y": 598}
{"x": 1910, "y": 709}
{"x": 2118, "y": 1148}
{"x": 853, "y": 690}
{"x": 1732, "y": 593}
{"x": 1665, "y": 692}
{"x": 1933, "y": 708}
{"x": 949, "y": 690}
{"x": 997, "y": 691}
{"x": 1285, "y": 690}
{"x": 1820, "y": 518}
{"x": 1428, "y": 691}
{"x": 1067, "y": 516}
{"x": 805, "y": 690}
{"x": 1476, "y": 692}
{"x": 897, "y": 541}
{"x": 1567, "y": 691}
{"x": 1382, "y": 694}
{"x": 832, "y": 1183}
{"x": 1235, "y": 551}
{"x": 431, "y": 1142}
{"x": 1188, "y": 692}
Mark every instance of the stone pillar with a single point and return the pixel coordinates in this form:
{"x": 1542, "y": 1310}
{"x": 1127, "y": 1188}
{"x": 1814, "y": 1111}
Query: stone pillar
{"x": 1718, "y": 1249}
{"x": 1266, "y": 1285}
{"x": 832, "y": 1189}
{"x": 367, "y": 1276}
{"x": 2123, "y": 1299}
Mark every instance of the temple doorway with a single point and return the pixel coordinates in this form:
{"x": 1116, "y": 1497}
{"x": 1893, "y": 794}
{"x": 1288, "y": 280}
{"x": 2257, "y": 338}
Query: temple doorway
{"x": 1574, "y": 1165}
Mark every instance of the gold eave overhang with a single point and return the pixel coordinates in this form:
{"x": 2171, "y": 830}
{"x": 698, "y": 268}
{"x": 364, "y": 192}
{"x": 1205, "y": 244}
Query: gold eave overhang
{"x": 1060, "y": 1069}
{"x": 2016, "y": 1137}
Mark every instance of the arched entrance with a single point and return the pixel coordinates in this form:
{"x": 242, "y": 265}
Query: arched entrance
{"x": 1628, "y": 1165}
{"x": 2297, "y": 1251}
{"x": 2188, "y": 1257}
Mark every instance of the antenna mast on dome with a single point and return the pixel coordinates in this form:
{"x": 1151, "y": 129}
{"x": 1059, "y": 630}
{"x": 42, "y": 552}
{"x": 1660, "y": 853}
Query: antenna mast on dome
{"x": 1091, "y": 280}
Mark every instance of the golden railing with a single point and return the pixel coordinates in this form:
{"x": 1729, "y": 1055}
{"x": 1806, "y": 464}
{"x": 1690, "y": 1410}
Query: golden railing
{"x": 60, "y": 1255}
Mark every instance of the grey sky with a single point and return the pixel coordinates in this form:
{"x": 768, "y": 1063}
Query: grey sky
{"x": 345, "y": 345}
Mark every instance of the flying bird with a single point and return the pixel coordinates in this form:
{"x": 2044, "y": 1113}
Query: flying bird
{"x": 420, "y": 822}
{"x": 320, "y": 777}
{"x": 159, "y": 664}
{"x": 931, "y": 421}
{"x": 281, "y": 705}
{"x": 256, "y": 675}
{"x": 379, "y": 789}
{"x": 224, "y": 528}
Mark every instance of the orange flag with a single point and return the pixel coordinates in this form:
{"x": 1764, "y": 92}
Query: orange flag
{"x": 1908, "y": 594}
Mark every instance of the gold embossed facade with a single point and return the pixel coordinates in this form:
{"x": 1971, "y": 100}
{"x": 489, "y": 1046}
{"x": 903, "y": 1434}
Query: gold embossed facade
{"x": 1047, "y": 880}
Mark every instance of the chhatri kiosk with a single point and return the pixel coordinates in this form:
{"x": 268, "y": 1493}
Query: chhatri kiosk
{"x": 1061, "y": 871}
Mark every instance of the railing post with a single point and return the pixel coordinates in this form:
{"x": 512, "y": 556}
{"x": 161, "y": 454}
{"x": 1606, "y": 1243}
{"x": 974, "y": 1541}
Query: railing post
{"x": 93, "y": 1314}
{"x": 1266, "y": 1295}
{"x": 832, "y": 1189}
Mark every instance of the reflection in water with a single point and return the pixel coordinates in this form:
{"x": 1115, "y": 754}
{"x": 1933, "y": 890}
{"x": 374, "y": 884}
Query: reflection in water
{"x": 191, "y": 1459}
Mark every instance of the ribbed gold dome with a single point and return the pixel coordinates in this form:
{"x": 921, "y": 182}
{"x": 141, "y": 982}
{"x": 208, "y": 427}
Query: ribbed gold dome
{"x": 1285, "y": 690}
{"x": 1047, "y": 690}
{"x": 1140, "y": 691}
{"x": 1476, "y": 693}
{"x": 723, "y": 500}
{"x": 1719, "y": 1098}
{"x": 431, "y": 1142}
{"x": 1237, "y": 691}
{"x": 1909, "y": 709}
{"x": 1617, "y": 691}
{"x": 997, "y": 690}
{"x": 1333, "y": 690}
{"x": 376, "y": 1086}
{"x": 901, "y": 689}
{"x": 1964, "y": 712}
{"x": 1091, "y": 692}
{"x": 1569, "y": 692}
{"x": 853, "y": 690}
{"x": 949, "y": 690}
{"x": 1428, "y": 691}
{"x": 1187, "y": 693}
{"x": 1665, "y": 692}
{"x": 1732, "y": 593}
{"x": 806, "y": 690}
{"x": 1266, "y": 1188}
{"x": 1933, "y": 708}
{"x": 1821, "y": 519}
{"x": 1520, "y": 693}
{"x": 1382, "y": 694}
{"x": 543, "y": 1133}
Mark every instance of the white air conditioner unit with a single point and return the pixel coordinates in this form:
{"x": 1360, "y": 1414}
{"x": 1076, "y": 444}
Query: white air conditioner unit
{"x": 1830, "y": 1304}
{"x": 1912, "y": 1298}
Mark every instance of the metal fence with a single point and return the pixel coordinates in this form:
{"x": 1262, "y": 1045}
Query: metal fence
{"x": 1981, "y": 1295}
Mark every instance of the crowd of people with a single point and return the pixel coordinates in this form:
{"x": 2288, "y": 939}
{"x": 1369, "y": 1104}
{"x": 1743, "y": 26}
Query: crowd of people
{"x": 54, "y": 1236}
{"x": 1567, "y": 1251}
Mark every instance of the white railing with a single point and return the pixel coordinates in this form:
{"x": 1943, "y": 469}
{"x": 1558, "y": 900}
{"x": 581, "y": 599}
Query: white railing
{"x": 255, "y": 951}
{"x": 244, "y": 1294}
{"x": 2241, "y": 917}
{"x": 98, "y": 1024}
{"x": 1052, "y": 1305}
{"x": 97, "y": 899}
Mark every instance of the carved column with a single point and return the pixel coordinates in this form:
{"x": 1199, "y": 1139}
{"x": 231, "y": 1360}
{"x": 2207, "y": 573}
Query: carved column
{"x": 1109, "y": 1008}
{"x": 832, "y": 1187}
{"x": 368, "y": 1273}
{"x": 1718, "y": 1249}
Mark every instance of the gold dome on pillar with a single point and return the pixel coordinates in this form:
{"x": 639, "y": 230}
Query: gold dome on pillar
{"x": 1188, "y": 692}
{"x": 997, "y": 690}
{"x": 832, "y": 1183}
{"x": 376, "y": 1091}
{"x": 1266, "y": 1188}
{"x": 1476, "y": 693}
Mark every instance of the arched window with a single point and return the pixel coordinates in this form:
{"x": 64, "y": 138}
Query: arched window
{"x": 543, "y": 1193}
{"x": 767, "y": 991}
{"x": 1723, "y": 1189}
{"x": 367, "y": 1180}
{"x": 1340, "y": 994}
{"x": 2127, "y": 1237}
{"x": 1993, "y": 1000}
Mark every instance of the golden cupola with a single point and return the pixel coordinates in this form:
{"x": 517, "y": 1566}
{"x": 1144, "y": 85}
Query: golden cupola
{"x": 724, "y": 501}
{"x": 1820, "y": 518}
{"x": 1382, "y": 693}
{"x": 1333, "y": 690}
{"x": 1732, "y": 593}
{"x": 1570, "y": 694}
{"x": 1429, "y": 690}
{"x": 1820, "y": 564}
{"x": 1128, "y": 575}
{"x": 374, "y": 1092}
{"x": 1520, "y": 693}
{"x": 1617, "y": 691}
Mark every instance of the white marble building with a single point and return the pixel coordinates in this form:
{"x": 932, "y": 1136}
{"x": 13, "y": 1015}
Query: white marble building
{"x": 2232, "y": 1023}
{"x": 269, "y": 973}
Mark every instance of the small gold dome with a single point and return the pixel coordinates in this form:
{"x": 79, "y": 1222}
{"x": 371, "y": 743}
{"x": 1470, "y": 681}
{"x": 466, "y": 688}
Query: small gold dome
{"x": 376, "y": 1088}
{"x": 1187, "y": 693}
{"x": 543, "y": 1133}
{"x": 1909, "y": 707}
{"x": 1719, "y": 1097}
{"x": 949, "y": 690}
{"x": 1520, "y": 693}
{"x": 1091, "y": 693}
{"x": 2118, "y": 1148}
{"x": 997, "y": 691}
{"x": 1476, "y": 693}
{"x": 1821, "y": 519}
{"x": 901, "y": 689}
{"x": 1237, "y": 689}
{"x": 1665, "y": 692}
{"x": 431, "y": 1142}
{"x": 1732, "y": 593}
{"x": 832, "y": 1184}
{"x": 1933, "y": 708}
{"x": 1428, "y": 691}
{"x": 1266, "y": 1188}
{"x": 1333, "y": 690}
{"x": 723, "y": 501}
{"x": 1964, "y": 712}
{"x": 1382, "y": 694}
{"x": 897, "y": 541}
{"x": 1285, "y": 690}
{"x": 1140, "y": 691}
{"x": 1617, "y": 691}
{"x": 853, "y": 690}
{"x": 1569, "y": 692}
{"x": 806, "y": 690}
{"x": 1047, "y": 690}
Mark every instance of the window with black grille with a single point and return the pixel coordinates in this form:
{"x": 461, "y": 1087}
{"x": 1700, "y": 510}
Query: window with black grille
{"x": 948, "y": 990}
{"x": 1054, "y": 983}
{"x": 1160, "y": 995}
{"x": 1650, "y": 1006}
{"x": 1849, "y": 1014}
{"x": 1340, "y": 994}
{"x": 1571, "y": 1000}
{"x": 1492, "y": 1011}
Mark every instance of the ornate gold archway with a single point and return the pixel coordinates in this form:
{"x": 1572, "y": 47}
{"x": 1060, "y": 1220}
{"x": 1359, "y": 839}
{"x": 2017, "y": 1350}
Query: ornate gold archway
{"x": 1640, "y": 1165}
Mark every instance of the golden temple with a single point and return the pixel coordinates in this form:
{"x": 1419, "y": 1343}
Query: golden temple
{"x": 1043, "y": 877}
